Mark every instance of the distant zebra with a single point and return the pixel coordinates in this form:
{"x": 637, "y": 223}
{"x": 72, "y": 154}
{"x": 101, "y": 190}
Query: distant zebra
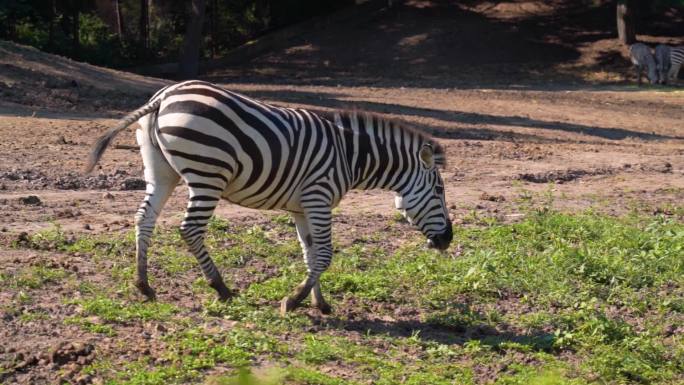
{"x": 227, "y": 146}
{"x": 642, "y": 58}
{"x": 663, "y": 62}
{"x": 676, "y": 60}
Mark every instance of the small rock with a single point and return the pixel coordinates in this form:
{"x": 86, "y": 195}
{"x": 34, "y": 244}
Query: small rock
{"x": 61, "y": 140}
{"x": 30, "y": 361}
{"x": 87, "y": 226}
{"x": 23, "y": 238}
{"x": 83, "y": 379}
{"x": 108, "y": 196}
{"x": 492, "y": 198}
{"x": 31, "y": 200}
{"x": 67, "y": 352}
{"x": 133, "y": 184}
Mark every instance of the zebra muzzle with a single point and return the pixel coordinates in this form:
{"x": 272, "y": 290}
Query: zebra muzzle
{"x": 441, "y": 241}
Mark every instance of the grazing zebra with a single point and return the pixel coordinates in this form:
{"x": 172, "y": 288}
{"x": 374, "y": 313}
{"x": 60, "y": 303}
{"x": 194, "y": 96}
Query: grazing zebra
{"x": 227, "y": 146}
{"x": 642, "y": 58}
{"x": 676, "y": 60}
{"x": 663, "y": 62}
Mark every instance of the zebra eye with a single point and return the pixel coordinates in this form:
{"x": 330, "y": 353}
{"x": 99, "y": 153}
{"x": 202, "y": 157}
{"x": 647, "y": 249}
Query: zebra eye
{"x": 439, "y": 189}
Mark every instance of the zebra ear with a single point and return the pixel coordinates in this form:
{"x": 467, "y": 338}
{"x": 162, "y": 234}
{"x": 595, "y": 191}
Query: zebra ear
{"x": 427, "y": 155}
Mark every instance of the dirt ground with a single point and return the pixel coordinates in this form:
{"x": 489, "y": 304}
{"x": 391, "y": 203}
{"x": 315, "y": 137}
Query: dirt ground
{"x": 510, "y": 141}
{"x": 613, "y": 151}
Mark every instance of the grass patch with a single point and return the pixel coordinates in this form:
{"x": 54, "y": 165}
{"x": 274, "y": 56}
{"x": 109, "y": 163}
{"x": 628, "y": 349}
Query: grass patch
{"x": 112, "y": 310}
{"x": 552, "y": 299}
{"x": 33, "y": 277}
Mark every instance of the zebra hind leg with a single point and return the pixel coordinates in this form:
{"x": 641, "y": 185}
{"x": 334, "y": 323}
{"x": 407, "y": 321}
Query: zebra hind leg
{"x": 161, "y": 180}
{"x": 145, "y": 220}
{"x": 194, "y": 228}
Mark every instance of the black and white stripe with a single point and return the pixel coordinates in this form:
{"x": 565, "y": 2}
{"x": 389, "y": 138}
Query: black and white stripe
{"x": 676, "y": 60}
{"x": 227, "y": 146}
{"x": 643, "y": 60}
{"x": 662, "y": 57}
{"x": 668, "y": 62}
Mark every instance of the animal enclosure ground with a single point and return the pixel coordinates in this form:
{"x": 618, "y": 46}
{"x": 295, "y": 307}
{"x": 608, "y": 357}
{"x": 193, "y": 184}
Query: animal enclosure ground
{"x": 566, "y": 263}
{"x": 566, "y": 195}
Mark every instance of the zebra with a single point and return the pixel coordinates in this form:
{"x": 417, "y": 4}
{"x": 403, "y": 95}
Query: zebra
{"x": 676, "y": 60}
{"x": 642, "y": 58}
{"x": 225, "y": 145}
{"x": 663, "y": 62}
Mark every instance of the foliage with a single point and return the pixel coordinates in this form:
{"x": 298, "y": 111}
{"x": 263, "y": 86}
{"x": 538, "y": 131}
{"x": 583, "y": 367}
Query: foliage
{"x": 87, "y": 30}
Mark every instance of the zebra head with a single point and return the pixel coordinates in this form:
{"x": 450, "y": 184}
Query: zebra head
{"x": 422, "y": 203}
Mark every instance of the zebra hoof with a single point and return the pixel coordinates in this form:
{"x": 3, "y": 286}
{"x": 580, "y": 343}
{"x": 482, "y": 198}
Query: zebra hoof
{"x": 324, "y": 308}
{"x": 224, "y": 294}
{"x": 227, "y": 295}
{"x": 146, "y": 290}
{"x": 287, "y": 305}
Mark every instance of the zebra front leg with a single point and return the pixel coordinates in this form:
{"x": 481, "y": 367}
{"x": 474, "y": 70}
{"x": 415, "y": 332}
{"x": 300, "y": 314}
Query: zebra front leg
{"x": 306, "y": 242}
{"x": 194, "y": 228}
{"x": 318, "y": 254}
{"x": 318, "y": 301}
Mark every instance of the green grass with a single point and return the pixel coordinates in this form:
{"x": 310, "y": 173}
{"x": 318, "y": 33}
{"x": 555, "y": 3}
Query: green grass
{"x": 553, "y": 299}
{"x": 33, "y": 277}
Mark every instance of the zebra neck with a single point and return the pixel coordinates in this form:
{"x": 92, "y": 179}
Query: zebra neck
{"x": 377, "y": 160}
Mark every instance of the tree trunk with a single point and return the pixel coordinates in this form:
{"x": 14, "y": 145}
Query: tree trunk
{"x": 119, "y": 19}
{"x": 189, "y": 60}
{"x": 144, "y": 24}
{"x": 212, "y": 29}
{"x": 626, "y": 22}
{"x": 106, "y": 10}
{"x": 75, "y": 28}
{"x": 51, "y": 27}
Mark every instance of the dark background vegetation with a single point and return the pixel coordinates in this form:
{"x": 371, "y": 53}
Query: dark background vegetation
{"x": 126, "y": 33}
{"x": 145, "y": 31}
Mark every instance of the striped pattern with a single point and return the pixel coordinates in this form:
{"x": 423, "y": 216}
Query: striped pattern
{"x": 643, "y": 60}
{"x": 224, "y": 145}
{"x": 662, "y": 56}
{"x": 676, "y": 60}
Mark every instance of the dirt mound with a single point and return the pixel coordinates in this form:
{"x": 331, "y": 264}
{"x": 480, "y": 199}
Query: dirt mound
{"x": 447, "y": 43}
{"x": 37, "y": 79}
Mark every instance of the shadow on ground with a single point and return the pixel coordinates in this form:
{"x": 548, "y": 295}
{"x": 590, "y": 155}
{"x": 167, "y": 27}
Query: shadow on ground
{"x": 332, "y": 100}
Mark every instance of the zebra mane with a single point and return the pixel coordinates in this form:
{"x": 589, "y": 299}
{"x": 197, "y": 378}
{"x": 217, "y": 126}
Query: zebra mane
{"x": 438, "y": 150}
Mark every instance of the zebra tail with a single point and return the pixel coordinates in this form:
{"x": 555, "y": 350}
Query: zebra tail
{"x": 103, "y": 141}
